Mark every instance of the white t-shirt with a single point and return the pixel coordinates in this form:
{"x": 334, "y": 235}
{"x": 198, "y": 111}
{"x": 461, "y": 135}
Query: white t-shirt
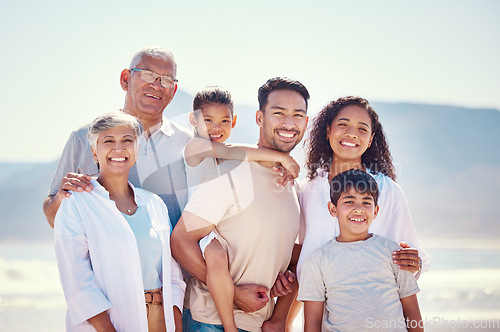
{"x": 318, "y": 226}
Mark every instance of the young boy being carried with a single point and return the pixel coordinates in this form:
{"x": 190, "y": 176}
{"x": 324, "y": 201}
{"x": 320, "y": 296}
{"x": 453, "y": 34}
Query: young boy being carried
{"x": 353, "y": 275}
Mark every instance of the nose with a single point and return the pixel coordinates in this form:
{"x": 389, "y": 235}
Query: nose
{"x": 157, "y": 83}
{"x": 118, "y": 146}
{"x": 350, "y": 131}
{"x": 288, "y": 122}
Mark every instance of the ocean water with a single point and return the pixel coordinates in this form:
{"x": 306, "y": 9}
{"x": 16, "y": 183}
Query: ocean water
{"x": 461, "y": 290}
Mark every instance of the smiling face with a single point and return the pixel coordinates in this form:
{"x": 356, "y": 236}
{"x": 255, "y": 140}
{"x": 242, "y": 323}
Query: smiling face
{"x": 146, "y": 101}
{"x": 355, "y": 212}
{"x": 284, "y": 120}
{"x": 350, "y": 134}
{"x": 116, "y": 151}
{"x": 214, "y": 122}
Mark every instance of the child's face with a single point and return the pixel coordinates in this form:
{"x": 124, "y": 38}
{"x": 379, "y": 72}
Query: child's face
{"x": 350, "y": 133}
{"x": 355, "y": 213}
{"x": 215, "y": 122}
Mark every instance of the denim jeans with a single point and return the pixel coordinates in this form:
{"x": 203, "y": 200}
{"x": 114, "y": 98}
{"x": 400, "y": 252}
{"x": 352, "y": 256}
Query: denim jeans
{"x": 191, "y": 325}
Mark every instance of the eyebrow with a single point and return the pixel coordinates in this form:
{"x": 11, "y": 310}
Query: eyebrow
{"x": 369, "y": 197}
{"x": 284, "y": 109}
{"x": 345, "y": 119}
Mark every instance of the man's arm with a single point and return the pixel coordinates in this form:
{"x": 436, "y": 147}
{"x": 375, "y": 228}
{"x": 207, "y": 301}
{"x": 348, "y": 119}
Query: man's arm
{"x": 277, "y": 322}
{"x": 411, "y": 311}
{"x": 73, "y": 182}
{"x": 190, "y": 229}
{"x": 186, "y": 250}
{"x": 313, "y": 315}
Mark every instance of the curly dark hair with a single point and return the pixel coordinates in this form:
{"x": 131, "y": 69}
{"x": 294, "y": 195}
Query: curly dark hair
{"x": 377, "y": 157}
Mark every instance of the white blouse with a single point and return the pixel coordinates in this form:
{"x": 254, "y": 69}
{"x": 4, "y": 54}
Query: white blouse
{"x": 99, "y": 263}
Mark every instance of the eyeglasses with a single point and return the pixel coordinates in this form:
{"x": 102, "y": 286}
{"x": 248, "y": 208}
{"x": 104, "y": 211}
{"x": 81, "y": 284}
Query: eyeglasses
{"x": 149, "y": 76}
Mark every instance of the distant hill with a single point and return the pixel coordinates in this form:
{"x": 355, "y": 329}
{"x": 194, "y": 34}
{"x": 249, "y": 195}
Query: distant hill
{"x": 447, "y": 159}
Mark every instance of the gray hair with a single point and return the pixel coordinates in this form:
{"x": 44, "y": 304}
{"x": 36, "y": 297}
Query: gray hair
{"x": 155, "y": 53}
{"x": 112, "y": 120}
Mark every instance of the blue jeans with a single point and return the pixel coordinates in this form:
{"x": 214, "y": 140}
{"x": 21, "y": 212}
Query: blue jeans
{"x": 191, "y": 325}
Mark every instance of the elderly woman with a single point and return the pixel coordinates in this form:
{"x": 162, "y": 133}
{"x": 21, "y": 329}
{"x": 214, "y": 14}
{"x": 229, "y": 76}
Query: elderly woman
{"x": 112, "y": 244}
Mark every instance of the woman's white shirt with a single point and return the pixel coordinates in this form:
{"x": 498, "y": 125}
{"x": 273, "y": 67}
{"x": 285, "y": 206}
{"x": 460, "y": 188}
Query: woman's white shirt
{"x": 99, "y": 262}
{"x": 318, "y": 226}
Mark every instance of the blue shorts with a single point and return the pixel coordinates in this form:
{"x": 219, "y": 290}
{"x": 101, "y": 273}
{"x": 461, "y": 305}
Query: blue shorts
{"x": 191, "y": 325}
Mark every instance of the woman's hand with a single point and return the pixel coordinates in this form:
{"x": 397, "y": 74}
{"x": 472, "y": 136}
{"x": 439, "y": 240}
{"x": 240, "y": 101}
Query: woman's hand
{"x": 102, "y": 323}
{"x": 407, "y": 258}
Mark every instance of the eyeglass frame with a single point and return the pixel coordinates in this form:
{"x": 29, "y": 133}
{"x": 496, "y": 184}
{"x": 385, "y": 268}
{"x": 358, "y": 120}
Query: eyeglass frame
{"x": 170, "y": 85}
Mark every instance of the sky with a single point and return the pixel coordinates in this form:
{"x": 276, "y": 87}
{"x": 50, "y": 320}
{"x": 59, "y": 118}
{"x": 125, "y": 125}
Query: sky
{"x": 62, "y": 59}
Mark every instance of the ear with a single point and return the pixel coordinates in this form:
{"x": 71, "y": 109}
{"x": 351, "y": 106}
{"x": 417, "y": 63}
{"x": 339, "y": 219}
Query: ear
{"x": 371, "y": 139}
{"x": 332, "y": 209}
{"x": 94, "y": 154}
{"x": 259, "y": 118}
{"x": 234, "y": 121}
{"x": 193, "y": 120}
{"x": 124, "y": 77}
{"x": 375, "y": 211}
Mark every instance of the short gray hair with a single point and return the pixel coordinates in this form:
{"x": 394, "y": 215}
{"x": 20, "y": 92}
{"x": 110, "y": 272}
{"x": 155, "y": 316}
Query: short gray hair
{"x": 112, "y": 120}
{"x": 155, "y": 53}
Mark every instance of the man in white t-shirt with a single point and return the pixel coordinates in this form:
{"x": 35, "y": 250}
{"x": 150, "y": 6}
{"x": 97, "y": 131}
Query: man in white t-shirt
{"x": 257, "y": 222}
{"x": 150, "y": 84}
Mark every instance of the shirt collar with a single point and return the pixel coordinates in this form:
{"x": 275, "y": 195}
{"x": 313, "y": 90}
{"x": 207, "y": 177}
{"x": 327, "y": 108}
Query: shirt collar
{"x": 101, "y": 191}
{"x": 166, "y": 127}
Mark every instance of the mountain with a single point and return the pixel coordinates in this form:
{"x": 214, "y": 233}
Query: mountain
{"x": 447, "y": 160}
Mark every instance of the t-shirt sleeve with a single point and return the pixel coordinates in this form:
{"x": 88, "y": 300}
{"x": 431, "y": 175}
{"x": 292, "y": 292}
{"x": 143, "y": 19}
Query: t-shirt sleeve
{"x": 312, "y": 285}
{"x": 405, "y": 279}
{"x": 70, "y": 161}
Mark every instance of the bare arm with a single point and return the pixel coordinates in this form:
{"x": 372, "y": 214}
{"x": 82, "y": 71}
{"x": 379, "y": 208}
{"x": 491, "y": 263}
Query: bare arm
{"x": 411, "y": 311}
{"x": 73, "y": 182}
{"x": 198, "y": 149}
{"x": 178, "y": 319}
{"x": 102, "y": 323}
{"x": 186, "y": 250}
{"x": 190, "y": 229}
{"x": 286, "y": 287}
{"x": 313, "y": 315}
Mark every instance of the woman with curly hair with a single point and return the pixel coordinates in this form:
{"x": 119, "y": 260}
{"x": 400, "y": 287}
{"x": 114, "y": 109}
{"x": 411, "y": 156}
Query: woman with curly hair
{"x": 345, "y": 135}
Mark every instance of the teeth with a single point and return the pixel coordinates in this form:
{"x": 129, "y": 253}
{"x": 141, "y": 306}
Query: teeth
{"x": 117, "y": 159}
{"x": 286, "y": 135}
{"x": 357, "y": 219}
{"x": 153, "y": 96}
{"x": 215, "y": 136}
{"x": 348, "y": 144}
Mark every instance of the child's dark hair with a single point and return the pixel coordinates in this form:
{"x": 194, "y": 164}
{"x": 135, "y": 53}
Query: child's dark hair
{"x": 377, "y": 157}
{"x": 361, "y": 181}
{"x": 213, "y": 95}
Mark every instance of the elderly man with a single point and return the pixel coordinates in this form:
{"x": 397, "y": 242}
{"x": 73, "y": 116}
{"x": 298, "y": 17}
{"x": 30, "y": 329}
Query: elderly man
{"x": 257, "y": 223}
{"x": 150, "y": 85}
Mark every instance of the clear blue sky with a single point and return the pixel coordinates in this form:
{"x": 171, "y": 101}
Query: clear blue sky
{"x": 62, "y": 59}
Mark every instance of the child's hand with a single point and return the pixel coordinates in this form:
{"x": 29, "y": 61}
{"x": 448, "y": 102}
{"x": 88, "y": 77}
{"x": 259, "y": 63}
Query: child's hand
{"x": 291, "y": 166}
{"x": 283, "y": 177}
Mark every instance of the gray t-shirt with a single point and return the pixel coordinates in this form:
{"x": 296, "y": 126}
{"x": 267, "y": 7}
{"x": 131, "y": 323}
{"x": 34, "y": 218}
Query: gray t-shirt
{"x": 159, "y": 168}
{"x": 359, "y": 283}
